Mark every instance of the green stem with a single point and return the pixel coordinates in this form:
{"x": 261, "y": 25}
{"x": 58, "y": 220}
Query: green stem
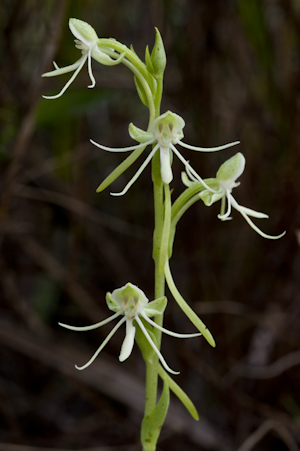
{"x": 159, "y": 284}
{"x": 140, "y": 71}
{"x": 157, "y": 100}
{"x": 152, "y": 367}
{"x": 106, "y": 44}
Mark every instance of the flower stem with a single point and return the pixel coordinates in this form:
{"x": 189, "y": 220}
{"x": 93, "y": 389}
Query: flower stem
{"x": 159, "y": 284}
{"x": 152, "y": 366}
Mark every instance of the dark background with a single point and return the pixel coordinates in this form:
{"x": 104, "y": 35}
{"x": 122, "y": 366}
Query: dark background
{"x": 233, "y": 73}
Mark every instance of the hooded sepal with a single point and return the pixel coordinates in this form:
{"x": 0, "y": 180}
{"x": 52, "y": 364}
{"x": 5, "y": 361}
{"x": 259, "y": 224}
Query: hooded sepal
{"x": 82, "y": 31}
{"x": 232, "y": 169}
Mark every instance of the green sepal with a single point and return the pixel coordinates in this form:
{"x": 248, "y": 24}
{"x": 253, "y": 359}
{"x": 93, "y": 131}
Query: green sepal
{"x": 152, "y": 423}
{"x": 138, "y": 134}
{"x": 181, "y": 395}
{"x": 158, "y": 56}
{"x": 156, "y": 307}
{"x": 120, "y": 169}
{"x": 140, "y": 91}
{"x": 210, "y": 198}
{"x": 113, "y": 305}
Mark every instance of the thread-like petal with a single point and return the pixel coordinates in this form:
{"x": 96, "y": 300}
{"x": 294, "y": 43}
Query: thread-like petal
{"x": 251, "y": 223}
{"x": 93, "y": 326}
{"x": 63, "y": 70}
{"x": 138, "y": 173}
{"x": 226, "y": 215}
{"x": 102, "y": 345}
{"x": 188, "y": 166}
{"x": 157, "y": 352}
{"x": 90, "y": 71}
{"x": 166, "y": 331}
{"x": 84, "y": 58}
{"x": 207, "y": 149}
{"x": 121, "y": 149}
{"x": 254, "y": 214}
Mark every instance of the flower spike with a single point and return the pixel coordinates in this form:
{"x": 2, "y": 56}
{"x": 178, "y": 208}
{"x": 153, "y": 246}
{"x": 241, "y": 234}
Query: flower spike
{"x": 223, "y": 184}
{"x": 86, "y": 41}
{"x": 164, "y": 133}
{"x": 132, "y": 303}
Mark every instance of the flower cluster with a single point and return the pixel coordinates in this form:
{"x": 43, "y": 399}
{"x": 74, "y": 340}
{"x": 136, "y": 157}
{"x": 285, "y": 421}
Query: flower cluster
{"x": 131, "y": 303}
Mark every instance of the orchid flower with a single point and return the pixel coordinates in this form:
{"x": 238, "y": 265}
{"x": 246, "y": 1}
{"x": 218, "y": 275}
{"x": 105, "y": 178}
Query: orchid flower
{"x": 164, "y": 133}
{"x": 220, "y": 188}
{"x": 86, "y": 41}
{"x": 131, "y": 303}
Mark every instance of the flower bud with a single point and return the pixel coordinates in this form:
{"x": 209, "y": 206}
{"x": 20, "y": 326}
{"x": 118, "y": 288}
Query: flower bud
{"x": 158, "y": 56}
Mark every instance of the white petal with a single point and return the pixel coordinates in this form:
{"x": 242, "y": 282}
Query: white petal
{"x": 102, "y": 345}
{"x": 189, "y": 167}
{"x": 253, "y": 213}
{"x": 251, "y": 223}
{"x": 157, "y": 352}
{"x": 165, "y": 165}
{"x": 128, "y": 342}
{"x": 138, "y": 173}
{"x": 191, "y": 176}
{"x": 226, "y": 215}
{"x": 63, "y": 70}
{"x": 121, "y": 149}
{"x": 93, "y": 326}
{"x": 207, "y": 149}
{"x": 168, "y": 332}
{"x": 90, "y": 71}
{"x": 84, "y": 58}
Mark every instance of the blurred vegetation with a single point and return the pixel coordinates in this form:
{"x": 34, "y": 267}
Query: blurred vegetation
{"x": 233, "y": 73}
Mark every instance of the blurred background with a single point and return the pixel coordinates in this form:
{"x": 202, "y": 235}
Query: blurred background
{"x": 233, "y": 73}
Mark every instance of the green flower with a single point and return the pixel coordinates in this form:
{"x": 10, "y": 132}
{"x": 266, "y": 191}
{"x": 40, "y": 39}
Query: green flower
{"x": 164, "y": 133}
{"x": 220, "y": 188}
{"x": 86, "y": 41}
{"x": 131, "y": 303}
